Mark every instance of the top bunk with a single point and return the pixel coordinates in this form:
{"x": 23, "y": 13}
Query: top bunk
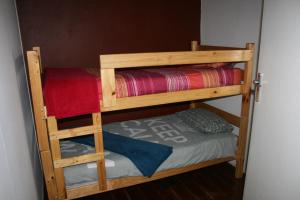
{"x": 118, "y": 72}
{"x": 200, "y": 55}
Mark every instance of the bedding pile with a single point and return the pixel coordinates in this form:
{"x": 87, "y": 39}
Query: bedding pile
{"x": 70, "y": 92}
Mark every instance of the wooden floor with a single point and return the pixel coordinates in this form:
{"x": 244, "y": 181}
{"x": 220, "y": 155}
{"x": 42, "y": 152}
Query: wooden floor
{"x": 212, "y": 183}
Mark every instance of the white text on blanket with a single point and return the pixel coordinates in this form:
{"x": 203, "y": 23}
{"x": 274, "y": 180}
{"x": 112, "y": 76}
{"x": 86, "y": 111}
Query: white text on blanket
{"x": 162, "y": 129}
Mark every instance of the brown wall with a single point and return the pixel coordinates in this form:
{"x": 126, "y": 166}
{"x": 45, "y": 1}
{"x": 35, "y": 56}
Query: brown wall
{"x": 75, "y": 32}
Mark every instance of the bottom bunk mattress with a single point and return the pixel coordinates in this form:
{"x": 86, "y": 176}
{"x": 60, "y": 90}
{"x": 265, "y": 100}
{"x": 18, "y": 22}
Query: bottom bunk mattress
{"x": 189, "y": 147}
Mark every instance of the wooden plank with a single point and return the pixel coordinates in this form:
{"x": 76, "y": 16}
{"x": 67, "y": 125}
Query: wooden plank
{"x": 49, "y": 174}
{"x": 74, "y": 132}
{"x": 172, "y": 97}
{"x": 173, "y": 58}
{"x": 194, "y": 45}
{"x": 76, "y": 160}
{"x": 108, "y": 87}
{"x": 128, "y": 181}
{"x": 242, "y": 140}
{"x": 37, "y": 100}
{"x": 82, "y": 191}
{"x": 210, "y": 48}
{"x": 40, "y": 122}
{"x": 56, "y": 154}
{"x": 233, "y": 119}
{"x": 99, "y": 149}
{"x": 38, "y": 50}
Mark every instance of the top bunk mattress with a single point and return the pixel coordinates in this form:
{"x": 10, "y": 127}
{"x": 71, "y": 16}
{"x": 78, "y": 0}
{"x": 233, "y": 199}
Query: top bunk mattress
{"x": 71, "y": 92}
{"x": 132, "y": 82}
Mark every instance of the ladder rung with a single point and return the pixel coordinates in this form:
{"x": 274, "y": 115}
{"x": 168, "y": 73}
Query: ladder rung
{"x": 66, "y": 162}
{"x": 74, "y": 132}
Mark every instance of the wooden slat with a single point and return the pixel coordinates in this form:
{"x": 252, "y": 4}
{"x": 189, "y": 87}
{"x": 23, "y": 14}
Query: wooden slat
{"x": 242, "y": 140}
{"x": 82, "y": 191}
{"x": 66, "y": 162}
{"x": 133, "y": 180}
{"x": 194, "y": 45}
{"x": 210, "y": 47}
{"x": 40, "y": 122}
{"x": 233, "y": 119}
{"x": 37, "y": 100}
{"x": 173, "y": 58}
{"x": 49, "y": 174}
{"x": 38, "y": 50}
{"x": 74, "y": 132}
{"x": 56, "y": 155}
{"x": 172, "y": 97}
{"x": 99, "y": 149}
{"x": 128, "y": 181}
{"x": 108, "y": 87}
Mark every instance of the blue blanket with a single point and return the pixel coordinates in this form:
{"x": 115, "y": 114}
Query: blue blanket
{"x": 146, "y": 156}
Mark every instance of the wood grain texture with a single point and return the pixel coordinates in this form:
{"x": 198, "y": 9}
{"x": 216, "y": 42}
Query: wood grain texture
{"x": 172, "y": 97}
{"x": 99, "y": 147}
{"x": 195, "y": 45}
{"x": 56, "y": 155}
{"x": 38, "y": 51}
{"x": 77, "y": 160}
{"x": 40, "y": 123}
{"x": 74, "y": 132}
{"x": 108, "y": 84}
{"x": 37, "y": 99}
{"x": 242, "y": 140}
{"x": 49, "y": 176}
{"x": 128, "y": 181}
{"x": 173, "y": 58}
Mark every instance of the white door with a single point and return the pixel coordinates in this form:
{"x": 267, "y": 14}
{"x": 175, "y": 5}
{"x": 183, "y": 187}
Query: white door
{"x": 273, "y": 170}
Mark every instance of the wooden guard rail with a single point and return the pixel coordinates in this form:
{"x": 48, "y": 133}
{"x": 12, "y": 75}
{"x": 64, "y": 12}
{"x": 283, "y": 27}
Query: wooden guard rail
{"x": 111, "y": 62}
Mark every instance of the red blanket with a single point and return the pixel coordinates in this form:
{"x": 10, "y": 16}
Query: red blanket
{"x": 70, "y": 92}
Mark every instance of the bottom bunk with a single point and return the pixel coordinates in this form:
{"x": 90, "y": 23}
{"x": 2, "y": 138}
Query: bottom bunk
{"x": 194, "y": 145}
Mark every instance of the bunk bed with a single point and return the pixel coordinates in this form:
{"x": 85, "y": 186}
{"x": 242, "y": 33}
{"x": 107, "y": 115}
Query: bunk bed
{"x": 49, "y": 135}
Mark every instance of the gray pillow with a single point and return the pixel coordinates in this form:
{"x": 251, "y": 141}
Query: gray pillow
{"x": 205, "y": 121}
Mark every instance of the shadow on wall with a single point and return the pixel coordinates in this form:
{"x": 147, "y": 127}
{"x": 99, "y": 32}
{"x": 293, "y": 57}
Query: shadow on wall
{"x": 28, "y": 117}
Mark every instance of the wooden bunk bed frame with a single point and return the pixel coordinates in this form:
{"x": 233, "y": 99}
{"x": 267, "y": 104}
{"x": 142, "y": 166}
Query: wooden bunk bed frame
{"x": 48, "y": 135}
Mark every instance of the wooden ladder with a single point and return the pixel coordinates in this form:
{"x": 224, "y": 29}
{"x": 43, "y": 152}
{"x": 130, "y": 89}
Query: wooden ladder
{"x": 60, "y": 163}
{"x": 48, "y": 137}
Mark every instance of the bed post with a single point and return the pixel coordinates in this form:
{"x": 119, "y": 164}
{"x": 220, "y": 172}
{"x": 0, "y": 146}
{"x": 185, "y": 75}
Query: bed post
{"x": 99, "y": 146}
{"x": 240, "y": 154}
{"x": 33, "y": 58}
{"x": 194, "y": 47}
{"x": 56, "y": 154}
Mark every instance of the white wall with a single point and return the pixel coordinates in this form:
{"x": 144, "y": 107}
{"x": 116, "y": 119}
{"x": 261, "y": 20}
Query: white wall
{"x": 230, "y": 23}
{"x": 20, "y": 174}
